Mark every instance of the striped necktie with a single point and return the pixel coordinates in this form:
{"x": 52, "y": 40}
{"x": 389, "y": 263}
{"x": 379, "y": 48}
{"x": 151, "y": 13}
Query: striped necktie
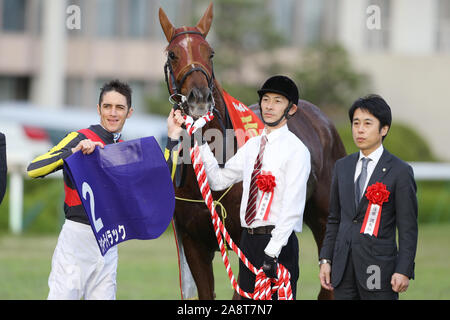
{"x": 361, "y": 181}
{"x": 253, "y": 192}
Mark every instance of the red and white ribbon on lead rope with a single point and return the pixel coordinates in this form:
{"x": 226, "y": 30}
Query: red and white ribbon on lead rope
{"x": 263, "y": 285}
{"x": 192, "y": 126}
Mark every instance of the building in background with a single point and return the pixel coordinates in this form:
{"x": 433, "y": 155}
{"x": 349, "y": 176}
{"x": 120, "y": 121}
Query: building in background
{"x": 408, "y": 59}
{"x": 407, "y": 55}
{"x": 117, "y": 38}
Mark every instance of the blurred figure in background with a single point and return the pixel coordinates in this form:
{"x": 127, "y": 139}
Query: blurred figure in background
{"x": 3, "y": 168}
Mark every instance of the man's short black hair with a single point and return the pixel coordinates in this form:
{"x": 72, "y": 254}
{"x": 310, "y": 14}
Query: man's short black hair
{"x": 118, "y": 86}
{"x": 375, "y": 105}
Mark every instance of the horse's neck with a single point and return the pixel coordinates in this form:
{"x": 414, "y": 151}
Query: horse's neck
{"x": 223, "y": 123}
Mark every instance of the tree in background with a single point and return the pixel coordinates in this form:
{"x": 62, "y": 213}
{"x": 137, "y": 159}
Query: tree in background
{"x": 241, "y": 28}
{"x": 326, "y": 78}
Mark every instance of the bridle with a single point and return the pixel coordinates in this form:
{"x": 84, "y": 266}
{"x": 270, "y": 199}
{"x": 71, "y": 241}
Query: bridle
{"x": 174, "y": 87}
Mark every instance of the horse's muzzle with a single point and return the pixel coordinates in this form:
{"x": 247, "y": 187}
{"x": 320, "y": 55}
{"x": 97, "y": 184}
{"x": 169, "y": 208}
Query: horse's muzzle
{"x": 199, "y": 101}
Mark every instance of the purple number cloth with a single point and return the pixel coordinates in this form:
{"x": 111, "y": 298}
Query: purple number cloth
{"x": 126, "y": 190}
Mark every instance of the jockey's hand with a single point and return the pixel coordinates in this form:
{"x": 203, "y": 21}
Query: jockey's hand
{"x": 87, "y": 146}
{"x": 174, "y": 122}
{"x": 270, "y": 266}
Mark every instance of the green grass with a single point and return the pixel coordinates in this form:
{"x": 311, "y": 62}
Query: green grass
{"x": 149, "y": 269}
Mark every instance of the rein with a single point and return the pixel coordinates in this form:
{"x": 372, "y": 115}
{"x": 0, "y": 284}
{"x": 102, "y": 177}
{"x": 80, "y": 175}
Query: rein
{"x": 223, "y": 210}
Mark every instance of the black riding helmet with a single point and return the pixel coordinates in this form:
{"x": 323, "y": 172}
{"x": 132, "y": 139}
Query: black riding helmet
{"x": 284, "y": 86}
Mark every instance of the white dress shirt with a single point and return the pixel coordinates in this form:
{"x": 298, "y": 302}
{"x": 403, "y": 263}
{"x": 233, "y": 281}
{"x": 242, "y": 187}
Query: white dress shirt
{"x": 374, "y": 158}
{"x": 288, "y": 159}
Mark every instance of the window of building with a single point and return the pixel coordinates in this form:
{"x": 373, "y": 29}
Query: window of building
{"x": 107, "y": 18}
{"x": 138, "y": 15}
{"x": 312, "y": 15}
{"x": 282, "y": 15}
{"x": 78, "y": 24}
{"x": 304, "y": 22}
{"x": 13, "y": 15}
{"x": 443, "y": 28}
{"x": 14, "y": 88}
{"x": 377, "y": 39}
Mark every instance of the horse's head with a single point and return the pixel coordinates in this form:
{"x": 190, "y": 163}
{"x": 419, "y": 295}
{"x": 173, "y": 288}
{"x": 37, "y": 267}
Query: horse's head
{"x": 189, "y": 68}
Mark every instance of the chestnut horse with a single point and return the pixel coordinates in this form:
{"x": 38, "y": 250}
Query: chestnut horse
{"x": 189, "y": 75}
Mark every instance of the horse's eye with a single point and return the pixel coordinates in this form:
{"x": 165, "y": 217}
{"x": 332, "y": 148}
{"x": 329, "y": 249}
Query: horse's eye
{"x": 172, "y": 55}
{"x": 212, "y": 55}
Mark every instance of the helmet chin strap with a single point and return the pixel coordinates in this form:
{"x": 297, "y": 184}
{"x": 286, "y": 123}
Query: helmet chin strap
{"x": 275, "y": 123}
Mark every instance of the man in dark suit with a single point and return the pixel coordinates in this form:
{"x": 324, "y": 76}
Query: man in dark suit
{"x": 359, "y": 258}
{"x": 2, "y": 166}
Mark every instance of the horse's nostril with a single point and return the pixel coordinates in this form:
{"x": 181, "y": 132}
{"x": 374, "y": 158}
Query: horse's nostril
{"x": 202, "y": 95}
{"x": 206, "y": 95}
{"x": 192, "y": 97}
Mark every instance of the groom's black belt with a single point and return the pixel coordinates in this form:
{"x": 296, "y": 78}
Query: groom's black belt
{"x": 260, "y": 230}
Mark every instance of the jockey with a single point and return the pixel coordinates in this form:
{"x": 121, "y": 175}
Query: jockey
{"x": 78, "y": 268}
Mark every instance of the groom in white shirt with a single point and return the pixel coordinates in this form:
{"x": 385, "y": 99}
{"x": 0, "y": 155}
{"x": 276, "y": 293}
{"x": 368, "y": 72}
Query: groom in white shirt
{"x": 274, "y": 168}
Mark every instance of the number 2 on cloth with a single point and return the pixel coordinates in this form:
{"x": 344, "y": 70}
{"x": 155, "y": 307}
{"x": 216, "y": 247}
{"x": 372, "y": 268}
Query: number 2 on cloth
{"x": 86, "y": 189}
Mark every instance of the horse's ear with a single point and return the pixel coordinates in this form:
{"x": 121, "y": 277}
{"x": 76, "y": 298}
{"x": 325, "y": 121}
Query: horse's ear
{"x": 166, "y": 25}
{"x": 205, "y": 22}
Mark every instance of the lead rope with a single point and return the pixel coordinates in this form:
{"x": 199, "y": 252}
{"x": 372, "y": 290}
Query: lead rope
{"x": 263, "y": 285}
{"x": 223, "y": 210}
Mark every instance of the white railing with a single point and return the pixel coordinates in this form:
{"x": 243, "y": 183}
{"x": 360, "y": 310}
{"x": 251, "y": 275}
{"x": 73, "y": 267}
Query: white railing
{"x": 430, "y": 171}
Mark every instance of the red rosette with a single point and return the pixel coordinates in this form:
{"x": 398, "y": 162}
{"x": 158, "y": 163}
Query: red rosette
{"x": 265, "y": 182}
{"x": 377, "y": 193}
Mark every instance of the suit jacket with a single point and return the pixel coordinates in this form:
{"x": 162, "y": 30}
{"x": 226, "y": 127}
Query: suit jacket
{"x": 345, "y": 222}
{"x": 2, "y": 166}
